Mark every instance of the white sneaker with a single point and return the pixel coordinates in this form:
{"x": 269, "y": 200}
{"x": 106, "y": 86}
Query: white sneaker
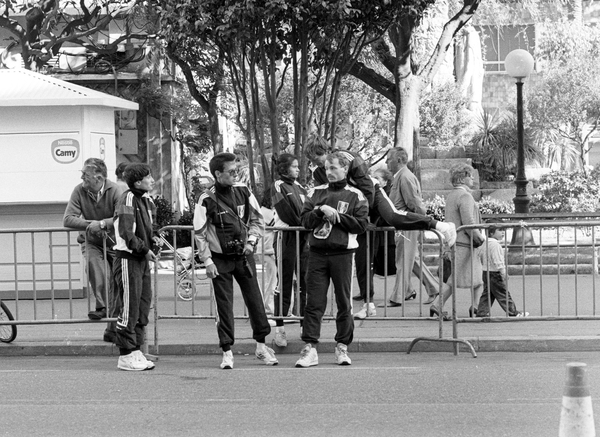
{"x": 369, "y": 311}
{"x": 267, "y": 356}
{"x": 308, "y": 357}
{"x": 227, "y": 362}
{"x": 522, "y": 314}
{"x": 131, "y": 362}
{"x": 341, "y": 355}
{"x": 142, "y": 359}
{"x": 272, "y": 323}
{"x": 280, "y": 337}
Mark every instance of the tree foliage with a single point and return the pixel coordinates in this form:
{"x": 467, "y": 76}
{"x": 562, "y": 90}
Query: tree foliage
{"x": 39, "y": 30}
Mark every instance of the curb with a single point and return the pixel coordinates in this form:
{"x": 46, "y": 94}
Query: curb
{"x": 506, "y": 344}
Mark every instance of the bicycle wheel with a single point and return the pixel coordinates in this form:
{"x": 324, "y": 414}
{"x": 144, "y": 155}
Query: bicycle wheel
{"x": 7, "y": 332}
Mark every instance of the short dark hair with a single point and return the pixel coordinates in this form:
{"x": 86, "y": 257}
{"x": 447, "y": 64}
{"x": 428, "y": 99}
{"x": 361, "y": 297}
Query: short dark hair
{"x": 120, "y": 169}
{"x": 284, "y": 162}
{"x": 135, "y": 172}
{"x": 316, "y": 146}
{"x": 97, "y": 166}
{"x": 491, "y": 230}
{"x": 218, "y": 162}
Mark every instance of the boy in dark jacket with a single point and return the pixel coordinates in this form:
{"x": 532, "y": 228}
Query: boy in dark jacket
{"x": 134, "y": 236}
{"x": 336, "y": 213}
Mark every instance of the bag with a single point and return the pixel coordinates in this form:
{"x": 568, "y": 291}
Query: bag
{"x": 478, "y": 240}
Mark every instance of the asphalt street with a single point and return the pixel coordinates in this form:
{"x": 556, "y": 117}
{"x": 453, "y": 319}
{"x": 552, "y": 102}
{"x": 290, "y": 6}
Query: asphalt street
{"x": 381, "y": 394}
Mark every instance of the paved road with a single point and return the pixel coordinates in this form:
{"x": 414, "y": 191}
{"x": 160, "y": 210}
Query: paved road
{"x": 422, "y": 394}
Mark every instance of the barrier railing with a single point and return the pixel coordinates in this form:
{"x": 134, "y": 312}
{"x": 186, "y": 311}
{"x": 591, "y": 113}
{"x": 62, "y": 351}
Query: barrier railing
{"x": 552, "y": 279}
{"x": 38, "y": 279}
{"x": 187, "y": 278}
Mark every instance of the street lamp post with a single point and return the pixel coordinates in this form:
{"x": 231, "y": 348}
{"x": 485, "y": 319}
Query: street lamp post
{"x": 519, "y": 64}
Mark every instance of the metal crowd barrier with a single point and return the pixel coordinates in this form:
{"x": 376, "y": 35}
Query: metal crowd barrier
{"x": 192, "y": 295}
{"x": 38, "y": 279}
{"x": 552, "y": 267}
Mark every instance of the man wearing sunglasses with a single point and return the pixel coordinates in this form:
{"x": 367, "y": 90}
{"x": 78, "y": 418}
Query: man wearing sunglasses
{"x": 228, "y": 224}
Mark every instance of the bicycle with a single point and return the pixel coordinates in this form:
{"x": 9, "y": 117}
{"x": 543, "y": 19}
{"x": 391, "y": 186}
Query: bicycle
{"x": 7, "y": 332}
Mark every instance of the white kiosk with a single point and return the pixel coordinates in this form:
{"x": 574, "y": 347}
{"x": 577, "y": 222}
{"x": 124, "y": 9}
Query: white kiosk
{"x": 48, "y": 128}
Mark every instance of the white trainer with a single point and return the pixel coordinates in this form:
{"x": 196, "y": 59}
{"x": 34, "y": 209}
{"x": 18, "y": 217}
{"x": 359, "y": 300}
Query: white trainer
{"x": 227, "y": 362}
{"x": 366, "y": 311}
{"x": 130, "y": 362}
{"x": 267, "y": 356}
{"x": 142, "y": 359}
{"x": 341, "y": 355}
{"x": 280, "y": 337}
{"x": 308, "y": 357}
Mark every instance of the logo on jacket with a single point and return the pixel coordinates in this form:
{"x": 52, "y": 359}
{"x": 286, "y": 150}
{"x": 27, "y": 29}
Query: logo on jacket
{"x": 342, "y": 207}
{"x": 241, "y": 209}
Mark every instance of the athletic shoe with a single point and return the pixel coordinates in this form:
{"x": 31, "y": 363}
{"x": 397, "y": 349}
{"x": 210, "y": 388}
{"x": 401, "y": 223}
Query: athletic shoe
{"x": 308, "y": 357}
{"x": 367, "y": 310}
{"x": 280, "y": 337}
{"x": 130, "y": 362}
{"x": 341, "y": 355}
{"x": 522, "y": 314}
{"x": 267, "y": 356}
{"x": 227, "y": 360}
{"x": 142, "y": 359}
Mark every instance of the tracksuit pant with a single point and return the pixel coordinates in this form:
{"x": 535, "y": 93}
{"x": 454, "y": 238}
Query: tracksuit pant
{"x": 134, "y": 286}
{"x": 323, "y": 268}
{"x": 362, "y": 270}
{"x": 229, "y": 269}
{"x": 288, "y": 259}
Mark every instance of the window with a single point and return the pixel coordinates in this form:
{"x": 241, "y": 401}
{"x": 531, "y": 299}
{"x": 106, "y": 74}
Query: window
{"x": 499, "y": 41}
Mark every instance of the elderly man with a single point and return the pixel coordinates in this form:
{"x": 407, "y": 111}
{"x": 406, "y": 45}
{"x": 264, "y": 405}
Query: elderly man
{"x": 90, "y": 210}
{"x": 406, "y": 196}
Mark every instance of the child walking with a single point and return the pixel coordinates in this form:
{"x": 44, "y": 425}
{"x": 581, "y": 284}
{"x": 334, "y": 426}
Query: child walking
{"x": 494, "y": 268}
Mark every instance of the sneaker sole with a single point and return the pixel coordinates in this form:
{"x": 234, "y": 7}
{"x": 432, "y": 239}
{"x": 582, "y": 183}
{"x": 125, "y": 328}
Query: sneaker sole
{"x": 345, "y": 363}
{"x": 132, "y": 370}
{"x": 226, "y": 367}
{"x": 300, "y": 366}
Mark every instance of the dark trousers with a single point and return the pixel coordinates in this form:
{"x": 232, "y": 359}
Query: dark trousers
{"x": 132, "y": 278}
{"x": 223, "y": 288}
{"x": 364, "y": 270}
{"x": 322, "y": 269}
{"x": 288, "y": 259}
{"x": 497, "y": 291}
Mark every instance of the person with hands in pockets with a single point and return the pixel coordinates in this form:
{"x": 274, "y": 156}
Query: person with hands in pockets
{"x": 228, "y": 224}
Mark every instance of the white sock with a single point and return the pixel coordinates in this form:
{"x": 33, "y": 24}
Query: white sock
{"x": 260, "y": 346}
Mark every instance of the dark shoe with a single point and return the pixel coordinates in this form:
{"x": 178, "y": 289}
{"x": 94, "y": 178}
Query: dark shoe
{"x": 390, "y": 304}
{"x": 431, "y": 299}
{"x": 97, "y": 315}
{"x": 472, "y": 312}
{"x": 435, "y": 312}
{"x": 109, "y": 336}
{"x": 358, "y": 297}
{"x": 411, "y": 296}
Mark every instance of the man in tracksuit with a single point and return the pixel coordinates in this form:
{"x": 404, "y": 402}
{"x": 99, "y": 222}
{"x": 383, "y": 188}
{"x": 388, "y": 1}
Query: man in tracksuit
{"x": 380, "y": 206}
{"x": 134, "y": 236}
{"x": 228, "y": 224}
{"x": 337, "y": 213}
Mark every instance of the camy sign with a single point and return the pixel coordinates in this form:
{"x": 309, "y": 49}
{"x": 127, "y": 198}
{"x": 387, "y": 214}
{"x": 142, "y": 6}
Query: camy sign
{"x": 65, "y": 151}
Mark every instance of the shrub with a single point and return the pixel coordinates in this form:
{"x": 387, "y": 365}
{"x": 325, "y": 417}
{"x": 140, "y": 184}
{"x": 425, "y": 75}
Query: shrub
{"x": 562, "y": 191}
{"x": 436, "y": 207}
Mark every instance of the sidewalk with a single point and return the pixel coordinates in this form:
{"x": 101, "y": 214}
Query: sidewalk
{"x": 198, "y": 336}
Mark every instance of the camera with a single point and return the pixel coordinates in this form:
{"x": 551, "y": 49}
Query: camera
{"x": 234, "y": 247}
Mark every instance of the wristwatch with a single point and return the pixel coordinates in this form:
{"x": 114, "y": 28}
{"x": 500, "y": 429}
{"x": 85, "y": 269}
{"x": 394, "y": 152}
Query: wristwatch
{"x": 102, "y": 224}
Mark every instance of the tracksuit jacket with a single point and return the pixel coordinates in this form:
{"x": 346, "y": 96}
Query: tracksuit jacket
{"x": 353, "y": 211}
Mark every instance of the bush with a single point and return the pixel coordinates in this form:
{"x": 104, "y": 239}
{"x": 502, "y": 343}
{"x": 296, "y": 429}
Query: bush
{"x": 436, "y": 207}
{"x": 562, "y": 191}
